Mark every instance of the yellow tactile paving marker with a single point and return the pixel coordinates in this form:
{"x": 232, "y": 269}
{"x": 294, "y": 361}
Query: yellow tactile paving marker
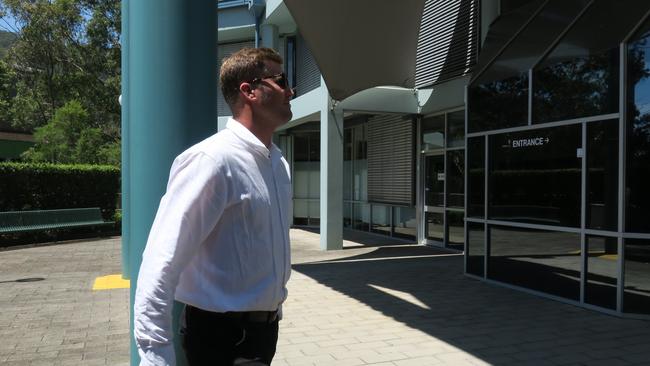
{"x": 110, "y": 282}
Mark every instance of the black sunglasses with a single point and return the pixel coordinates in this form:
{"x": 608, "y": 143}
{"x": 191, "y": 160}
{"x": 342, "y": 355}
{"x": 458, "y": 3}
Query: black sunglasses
{"x": 280, "y": 79}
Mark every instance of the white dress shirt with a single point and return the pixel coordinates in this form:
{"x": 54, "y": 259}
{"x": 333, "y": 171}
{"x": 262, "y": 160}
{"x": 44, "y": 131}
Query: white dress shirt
{"x": 220, "y": 239}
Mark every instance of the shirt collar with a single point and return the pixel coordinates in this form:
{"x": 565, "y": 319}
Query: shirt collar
{"x": 250, "y": 139}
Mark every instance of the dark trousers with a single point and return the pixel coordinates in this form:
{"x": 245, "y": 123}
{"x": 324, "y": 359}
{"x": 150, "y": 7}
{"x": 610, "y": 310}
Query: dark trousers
{"x": 225, "y": 339}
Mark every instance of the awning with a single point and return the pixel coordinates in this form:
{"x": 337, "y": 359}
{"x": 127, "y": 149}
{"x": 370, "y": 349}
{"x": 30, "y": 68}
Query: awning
{"x": 360, "y": 44}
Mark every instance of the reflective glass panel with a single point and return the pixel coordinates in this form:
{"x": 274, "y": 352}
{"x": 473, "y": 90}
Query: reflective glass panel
{"x": 361, "y": 218}
{"x": 498, "y": 104}
{"x": 580, "y": 77}
{"x": 475, "y": 249}
{"x": 540, "y": 260}
{"x": 636, "y": 298}
{"x": 498, "y": 98}
{"x": 433, "y": 132}
{"x": 476, "y": 177}
{"x": 404, "y": 224}
{"x": 455, "y": 178}
{"x": 456, "y": 230}
{"x": 381, "y": 219}
{"x": 347, "y": 215}
{"x": 434, "y": 180}
{"x": 602, "y": 175}
{"x": 637, "y": 194}
{"x": 535, "y": 176}
{"x": 456, "y": 129}
{"x": 434, "y": 226}
{"x": 602, "y": 271}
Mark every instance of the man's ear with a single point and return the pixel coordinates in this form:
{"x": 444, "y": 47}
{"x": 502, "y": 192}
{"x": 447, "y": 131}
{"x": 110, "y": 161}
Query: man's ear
{"x": 247, "y": 91}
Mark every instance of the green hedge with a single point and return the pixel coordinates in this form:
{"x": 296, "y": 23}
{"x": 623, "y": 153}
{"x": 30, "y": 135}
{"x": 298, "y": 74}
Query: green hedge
{"x": 38, "y": 186}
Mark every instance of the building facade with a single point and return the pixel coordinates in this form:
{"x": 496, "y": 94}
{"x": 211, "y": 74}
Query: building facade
{"x": 527, "y": 145}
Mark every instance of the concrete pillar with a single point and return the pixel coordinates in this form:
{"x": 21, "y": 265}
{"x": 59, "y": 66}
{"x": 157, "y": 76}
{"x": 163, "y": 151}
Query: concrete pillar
{"x": 269, "y": 34}
{"x": 124, "y": 101}
{"x": 331, "y": 174}
{"x": 172, "y": 94}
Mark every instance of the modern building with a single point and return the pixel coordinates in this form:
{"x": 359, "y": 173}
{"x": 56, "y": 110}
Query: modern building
{"x": 519, "y": 133}
{"x": 526, "y": 147}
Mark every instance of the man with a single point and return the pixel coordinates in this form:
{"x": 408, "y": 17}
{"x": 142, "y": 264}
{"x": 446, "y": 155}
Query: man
{"x": 220, "y": 239}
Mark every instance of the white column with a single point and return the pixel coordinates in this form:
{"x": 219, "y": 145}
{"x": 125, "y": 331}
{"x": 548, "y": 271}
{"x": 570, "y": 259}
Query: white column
{"x": 331, "y": 174}
{"x": 269, "y": 35}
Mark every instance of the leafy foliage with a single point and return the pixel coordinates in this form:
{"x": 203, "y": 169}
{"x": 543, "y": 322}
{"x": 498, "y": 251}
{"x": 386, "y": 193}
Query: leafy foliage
{"x": 28, "y": 186}
{"x": 66, "y": 51}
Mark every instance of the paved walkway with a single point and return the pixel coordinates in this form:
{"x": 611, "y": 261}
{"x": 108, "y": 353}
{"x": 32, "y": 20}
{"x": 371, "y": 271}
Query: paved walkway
{"x": 377, "y": 302}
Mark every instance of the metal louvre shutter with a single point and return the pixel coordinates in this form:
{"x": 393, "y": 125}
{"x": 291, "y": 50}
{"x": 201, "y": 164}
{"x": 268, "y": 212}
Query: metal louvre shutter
{"x": 223, "y": 51}
{"x": 307, "y": 72}
{"x": 391, "y": 160}
{"x": 447, "y": 42}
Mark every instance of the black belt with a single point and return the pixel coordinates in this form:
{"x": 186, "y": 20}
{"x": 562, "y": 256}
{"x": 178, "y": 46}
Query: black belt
{"x": 243, "y": 316}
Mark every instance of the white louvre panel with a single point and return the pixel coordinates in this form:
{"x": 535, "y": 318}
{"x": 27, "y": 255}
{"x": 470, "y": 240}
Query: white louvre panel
{"x": 447, "y": 42}
{"x": 223, "y": 51}
{"x": 391, "y": 160}
{"x": 307, "y": 72}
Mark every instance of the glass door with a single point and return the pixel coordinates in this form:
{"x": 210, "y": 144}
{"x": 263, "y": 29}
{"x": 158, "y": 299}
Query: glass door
{"x": 434, "y": 197}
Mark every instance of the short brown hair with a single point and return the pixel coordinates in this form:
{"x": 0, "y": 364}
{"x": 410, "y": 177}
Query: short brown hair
{"x": 244, "y": 65}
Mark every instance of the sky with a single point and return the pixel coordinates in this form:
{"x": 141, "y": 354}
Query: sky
{"x": 8, "y": 23}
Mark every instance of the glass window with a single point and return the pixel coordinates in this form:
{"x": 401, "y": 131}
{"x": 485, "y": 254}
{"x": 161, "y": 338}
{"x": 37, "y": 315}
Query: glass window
{"x": 602, "y": 271}
{"x": 637, "y": 194}
{"x": 455, "y": 178}
{"x": 498, "y": 98}
{"x": 434, "y": 180}
{"x": 636, "y": 298}
{"x": 347, "y": 164}
{"x": 535, "y": 176}
{"x": 361, "y": 220}
{"x": 301, "y": 147}
{"x": 300, "y": 212}
{"x": 404, "y": 222}
{"x": 602, "y": 175}
{"x": 540, "y": 260}
{"x": 381, "y": 219}
{"x": 314, "y": 212}
{"x": 433, "y": 132}
{"x": 434, "y": 226}
{"x": 455, "y": 230}
{"x": 347, "y": 215}
{"x": 498, "y": 104}
{"x": 580, "y": 76}
{"x": 475, "y": 249}
{"x": 476, "y": 177}
{"x": 456, "y": 129}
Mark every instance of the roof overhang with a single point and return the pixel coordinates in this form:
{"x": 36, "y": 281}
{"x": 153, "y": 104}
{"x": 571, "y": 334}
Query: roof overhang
{"x": 360, "y": 44}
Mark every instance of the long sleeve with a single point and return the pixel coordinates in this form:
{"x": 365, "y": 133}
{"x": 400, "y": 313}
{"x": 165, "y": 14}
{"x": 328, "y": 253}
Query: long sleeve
{"x": 194, "y": 202}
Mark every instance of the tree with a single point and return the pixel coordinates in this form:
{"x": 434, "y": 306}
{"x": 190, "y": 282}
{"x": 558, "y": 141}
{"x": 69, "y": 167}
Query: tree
{"x": 68, "y": 139}
{"x": 66, "y": 50}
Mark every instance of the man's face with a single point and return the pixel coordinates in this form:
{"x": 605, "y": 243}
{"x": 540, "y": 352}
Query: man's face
{"x": 274, "y": 101}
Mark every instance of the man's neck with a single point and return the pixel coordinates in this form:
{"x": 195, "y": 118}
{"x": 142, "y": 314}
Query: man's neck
{"x": 265, "y": 135}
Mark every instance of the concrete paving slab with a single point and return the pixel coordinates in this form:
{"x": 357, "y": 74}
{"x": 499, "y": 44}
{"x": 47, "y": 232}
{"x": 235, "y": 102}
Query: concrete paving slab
{"x": 378, "y": 301}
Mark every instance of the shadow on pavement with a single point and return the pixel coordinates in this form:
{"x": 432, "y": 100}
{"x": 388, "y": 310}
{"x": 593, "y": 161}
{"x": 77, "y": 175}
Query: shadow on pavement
{"x": 495, "y": 324}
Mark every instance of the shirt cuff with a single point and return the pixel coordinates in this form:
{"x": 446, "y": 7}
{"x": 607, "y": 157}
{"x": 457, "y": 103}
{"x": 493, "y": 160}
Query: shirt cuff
{"x": 158, "y": 356}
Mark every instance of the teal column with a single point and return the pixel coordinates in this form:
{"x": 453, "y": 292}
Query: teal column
{"x": 126, "y": 211}
{"x": 331, "y": 173}
{"x": 172, "y": 55}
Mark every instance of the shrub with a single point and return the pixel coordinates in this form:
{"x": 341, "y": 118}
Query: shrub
{"x": 41, "y": 186}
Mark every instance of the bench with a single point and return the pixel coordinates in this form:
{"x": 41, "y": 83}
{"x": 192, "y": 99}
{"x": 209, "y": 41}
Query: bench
{"x": 21, "y": 221}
